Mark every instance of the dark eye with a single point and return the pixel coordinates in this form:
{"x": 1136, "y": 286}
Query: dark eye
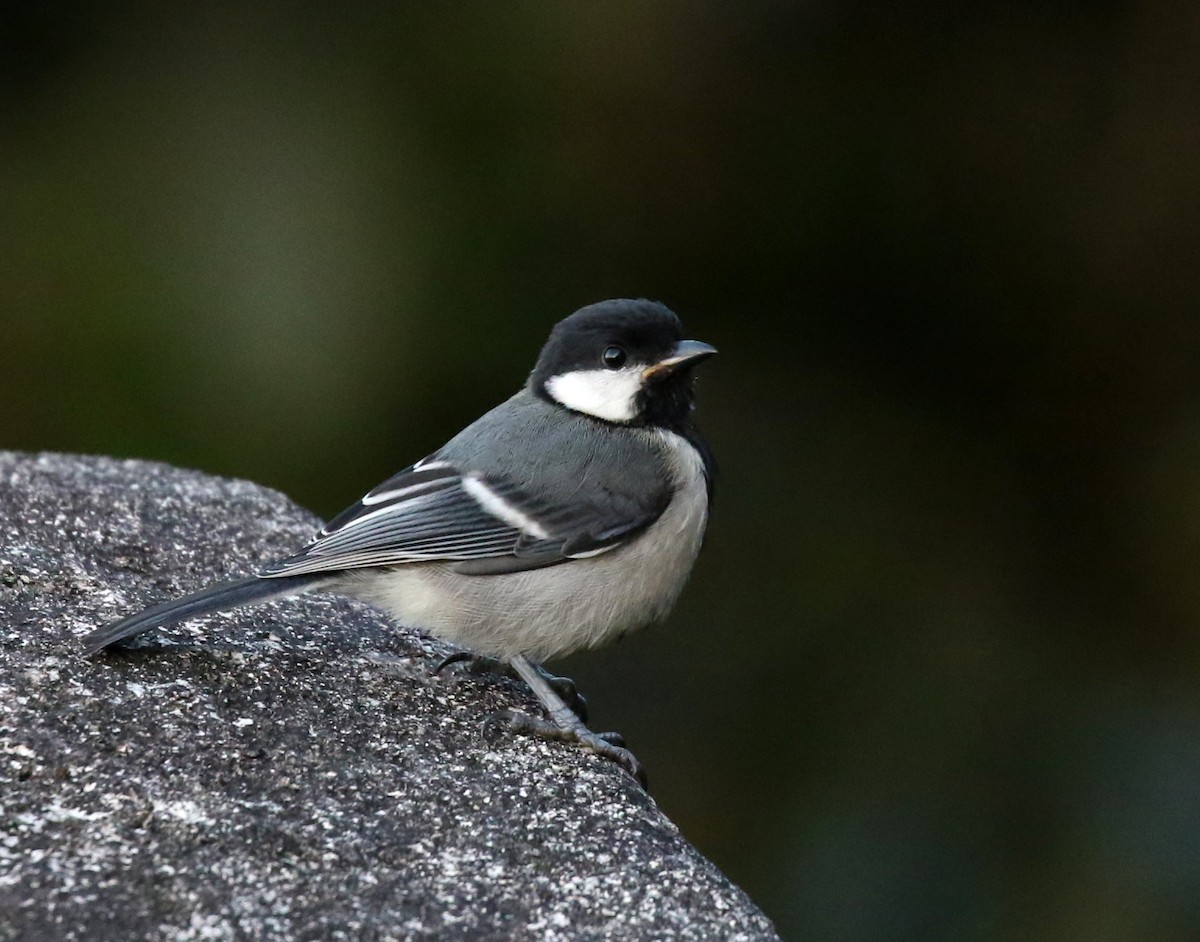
{"x": 614, "y": 358}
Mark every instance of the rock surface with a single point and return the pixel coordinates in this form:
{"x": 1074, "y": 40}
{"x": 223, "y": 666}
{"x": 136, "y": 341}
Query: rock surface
{"x": 291, "y": 771}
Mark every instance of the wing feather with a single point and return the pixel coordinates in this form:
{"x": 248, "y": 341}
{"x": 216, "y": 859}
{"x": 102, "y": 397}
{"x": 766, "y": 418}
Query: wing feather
{"x": 482, "y": 523}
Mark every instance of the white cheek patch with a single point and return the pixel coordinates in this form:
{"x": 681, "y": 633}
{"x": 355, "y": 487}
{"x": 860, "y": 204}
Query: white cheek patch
{"x": 606, "y": 394}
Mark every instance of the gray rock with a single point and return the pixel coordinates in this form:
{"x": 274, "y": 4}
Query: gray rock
{"x": 292, "y": 771}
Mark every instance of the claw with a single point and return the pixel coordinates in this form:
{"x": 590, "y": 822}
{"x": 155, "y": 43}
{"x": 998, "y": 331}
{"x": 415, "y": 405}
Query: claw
{"x": 560, "y": 696}
{"x": 476, "y": 664}
{"x": 565, "y": 688}
{"x": 450, "y": 659}
{"x": 481, "y": 664}
{"x": 494, "y": 722}
{"x": 609, "y": 745}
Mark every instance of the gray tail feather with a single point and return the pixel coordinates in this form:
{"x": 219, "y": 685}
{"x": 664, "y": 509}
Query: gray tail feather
{"x": 216, "y": 598}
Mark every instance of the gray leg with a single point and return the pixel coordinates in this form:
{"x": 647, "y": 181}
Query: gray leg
{"x": 566, "y": 725}
{"x": 481, "y": 664}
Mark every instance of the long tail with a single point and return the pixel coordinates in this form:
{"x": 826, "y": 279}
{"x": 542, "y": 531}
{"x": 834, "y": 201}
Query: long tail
{"x": 216, "y": 598}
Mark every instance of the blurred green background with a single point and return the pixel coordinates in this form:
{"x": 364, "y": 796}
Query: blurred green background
{"x": 937, "y": 676}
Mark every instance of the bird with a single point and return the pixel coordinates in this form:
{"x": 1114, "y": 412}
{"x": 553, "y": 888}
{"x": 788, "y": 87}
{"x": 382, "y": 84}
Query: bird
{"x": 563, "y": 518}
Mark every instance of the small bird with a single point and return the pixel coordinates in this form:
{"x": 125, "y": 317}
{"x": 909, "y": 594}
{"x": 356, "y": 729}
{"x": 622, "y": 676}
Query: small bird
{"x": 563, "y": 518}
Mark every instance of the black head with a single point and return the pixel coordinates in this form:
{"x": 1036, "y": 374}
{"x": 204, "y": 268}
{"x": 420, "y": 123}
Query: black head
{"x": 621, "y": 361}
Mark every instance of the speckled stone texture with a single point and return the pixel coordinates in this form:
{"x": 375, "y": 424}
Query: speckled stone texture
{"x": 291, "y": 771}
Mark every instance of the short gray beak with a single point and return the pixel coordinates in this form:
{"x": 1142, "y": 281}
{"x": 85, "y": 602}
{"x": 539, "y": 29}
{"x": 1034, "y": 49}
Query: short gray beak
{"x": 686, "y": 353}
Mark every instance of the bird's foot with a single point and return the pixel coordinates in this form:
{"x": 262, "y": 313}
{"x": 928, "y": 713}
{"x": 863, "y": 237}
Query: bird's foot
{"x": 475, "y": 664}
{"x": 481, "y": 664}
{"x": 609, "y": 745}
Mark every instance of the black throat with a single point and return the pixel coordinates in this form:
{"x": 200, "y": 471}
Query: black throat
{"x": 668, "y": 403}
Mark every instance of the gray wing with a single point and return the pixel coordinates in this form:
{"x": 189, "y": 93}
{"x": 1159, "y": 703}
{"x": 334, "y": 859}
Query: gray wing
{"x": 482, "y": 522}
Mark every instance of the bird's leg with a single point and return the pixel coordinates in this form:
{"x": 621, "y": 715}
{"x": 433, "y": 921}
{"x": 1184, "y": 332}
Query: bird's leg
{"x": 481, "y": 664}
{"x": 566, "y": 724}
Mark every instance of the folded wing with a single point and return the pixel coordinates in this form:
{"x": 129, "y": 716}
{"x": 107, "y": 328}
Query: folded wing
{"x": 485, "y": 525}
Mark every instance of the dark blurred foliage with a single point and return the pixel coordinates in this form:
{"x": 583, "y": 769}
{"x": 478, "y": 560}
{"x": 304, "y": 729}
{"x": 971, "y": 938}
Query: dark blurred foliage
{"x": 938, "y": 672}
